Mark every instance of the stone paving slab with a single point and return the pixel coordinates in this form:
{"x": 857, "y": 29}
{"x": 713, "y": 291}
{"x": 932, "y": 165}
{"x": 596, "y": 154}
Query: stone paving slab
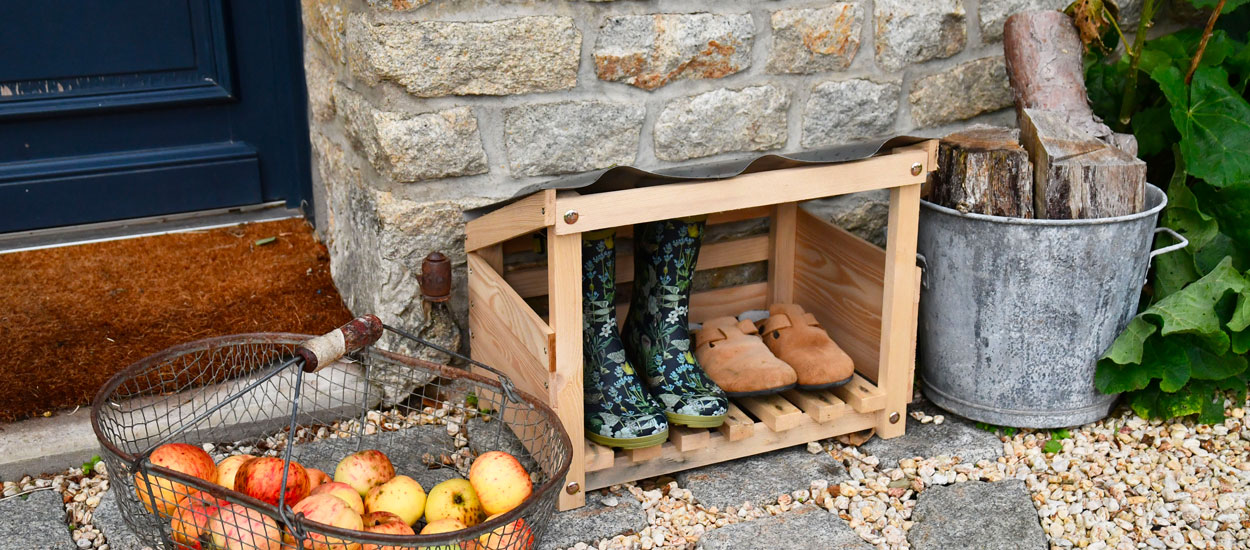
{"x": 594, "y": 521}
{"x": 809, "y": 528}
{"x": 976, "y": 514}
{"x": 108, "y": 519}
{"x": 34, "y": 523}
{"x": 956, "y": 436}
{"x": 760, "y": 479}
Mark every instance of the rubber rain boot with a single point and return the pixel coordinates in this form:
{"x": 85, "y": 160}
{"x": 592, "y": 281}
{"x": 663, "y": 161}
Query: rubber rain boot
{"x": 657, "y": 333}
{"x": 619, "y": 410}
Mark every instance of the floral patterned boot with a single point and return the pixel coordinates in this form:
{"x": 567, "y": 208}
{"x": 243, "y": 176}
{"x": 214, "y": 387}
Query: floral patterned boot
{"x": 656, "y": 332}
{"x": 620, "y": 412}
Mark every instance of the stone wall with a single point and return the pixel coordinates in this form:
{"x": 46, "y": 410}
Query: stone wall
{"x": 422, "y": 108}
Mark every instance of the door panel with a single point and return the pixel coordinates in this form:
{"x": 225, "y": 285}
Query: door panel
{"x": 114, "y": 109}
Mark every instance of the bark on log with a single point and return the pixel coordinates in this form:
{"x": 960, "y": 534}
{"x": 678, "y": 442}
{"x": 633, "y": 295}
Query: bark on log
{"x": 984, "y": 171}
{"x": 1075, "y": 175}
{"x": 1043, "y": 55}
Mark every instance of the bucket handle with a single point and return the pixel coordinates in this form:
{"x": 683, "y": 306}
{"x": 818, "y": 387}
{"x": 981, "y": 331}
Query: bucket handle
{"x": 1182, "y": 242}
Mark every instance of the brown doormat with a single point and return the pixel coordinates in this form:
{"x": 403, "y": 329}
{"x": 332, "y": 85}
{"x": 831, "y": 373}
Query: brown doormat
{"x": 72, "y": 317}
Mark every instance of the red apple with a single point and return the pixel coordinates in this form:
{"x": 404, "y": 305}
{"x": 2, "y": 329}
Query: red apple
{"x": 343, "y": 491}
{"x": 385, "y": 523}
{"x": 513, "y": 536}
{"x": 228, "y": 467}
{"x": 237, "y": 527}
{"x": 329, "y": 510}
{"x": 364, "y": 470}
{"x": 317, "y": 478}
{"x": 499, "y": 480}
{"x": 191, "y": 518}
{"x": 261, "y": 478}
{"x": 179, "y": 457}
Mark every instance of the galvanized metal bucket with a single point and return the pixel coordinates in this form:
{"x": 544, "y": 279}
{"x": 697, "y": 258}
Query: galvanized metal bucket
{"x": 1014, "y": 313}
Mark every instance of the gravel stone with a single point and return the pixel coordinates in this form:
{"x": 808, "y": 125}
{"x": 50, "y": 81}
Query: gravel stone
{"x": 808, "y": 528}
{"x": 594, "y": 521}
{"x": 955, "y": 437}
{"x": 963, "y": 92}
{"x": 571, "y": 136}
{"x": 441, "y": 58}
{"x": 413, "y": 147}
{"x": 649, "y": 51}
{"x": 809, "y": 40}
{"x": 722, "y": 121}
{"x": 108, "y": 519}
{"x": 913, "y": 32}
{"x": 976, "y": 514}
{"x": 843, "y": 111}
{"x": 759, "y": 479}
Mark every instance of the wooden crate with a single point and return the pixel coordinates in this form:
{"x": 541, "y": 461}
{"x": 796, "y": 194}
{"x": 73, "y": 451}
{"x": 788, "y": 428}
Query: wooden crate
{"x": 864, "y": 296}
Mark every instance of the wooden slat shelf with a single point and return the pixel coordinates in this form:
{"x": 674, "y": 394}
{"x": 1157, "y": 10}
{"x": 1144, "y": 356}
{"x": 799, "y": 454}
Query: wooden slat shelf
{"x": 865, "y": 297}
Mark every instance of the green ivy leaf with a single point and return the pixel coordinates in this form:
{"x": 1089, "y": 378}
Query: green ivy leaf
{"x": 1192, "y": 309}
{"x": 1104, "y": 85}
{"x": 1205, "y": 365}
{"x": 1154, "y": 131}
{"x": 1127, "y": 348}
{"x": 1168, "y": 361}
{"x": 1230, "y": 206}
{"x": 1213, "y": 121}
{"x": 1241, "y": 314}
{"x": 1053, "y": 446}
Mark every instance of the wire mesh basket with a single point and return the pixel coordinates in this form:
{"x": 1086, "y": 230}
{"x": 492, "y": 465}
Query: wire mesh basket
{"x": 251, "y": 394}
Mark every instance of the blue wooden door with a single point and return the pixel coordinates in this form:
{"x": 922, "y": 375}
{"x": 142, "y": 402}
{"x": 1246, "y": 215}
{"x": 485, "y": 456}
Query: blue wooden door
{"x": 116, "y": 109}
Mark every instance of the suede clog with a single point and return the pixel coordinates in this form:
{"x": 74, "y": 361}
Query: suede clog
{"x": 734, "y": 356}
{"x": 794, "y": 336}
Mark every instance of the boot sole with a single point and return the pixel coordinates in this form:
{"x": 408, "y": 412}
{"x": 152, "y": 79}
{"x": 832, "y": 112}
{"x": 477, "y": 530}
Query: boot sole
{"x": 692, "y": 421}
{"x": 631, "y": 443}
{"x": 758, "y": 393}
{"x": 826, "y": 386}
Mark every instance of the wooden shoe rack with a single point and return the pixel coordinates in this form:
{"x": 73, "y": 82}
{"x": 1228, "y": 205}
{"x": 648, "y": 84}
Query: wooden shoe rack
{"x": 864, "y": 296}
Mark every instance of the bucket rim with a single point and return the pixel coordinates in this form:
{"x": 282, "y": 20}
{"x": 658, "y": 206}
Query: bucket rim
{"x": 1151, "y": 191}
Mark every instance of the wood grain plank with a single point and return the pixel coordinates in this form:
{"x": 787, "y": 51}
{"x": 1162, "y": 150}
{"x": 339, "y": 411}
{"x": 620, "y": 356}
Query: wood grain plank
{"x": 492, "y": 292}
{"x": 721, "y": 449}
{"x": 861, "y": 395}
{"x": 523, "y": 216}
{"x": 533, "y": 282}
{"x": 616, "y": 208}
{"x": 898, "y": 358}
{"x": 822, "y": 405}
{"x": 598, "y": 457}
{"x": 687, "y": 439}
{"x": 838, "y": 278}
{"x": 646, "y": 453}
{"x": 781, "y": 235}
{"x": 564, "y": 278}
{"x": 773, "y": 411}
{"x": 737, "y": 424}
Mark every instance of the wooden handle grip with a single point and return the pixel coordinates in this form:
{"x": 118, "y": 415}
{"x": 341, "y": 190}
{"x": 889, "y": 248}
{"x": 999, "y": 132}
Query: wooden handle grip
{"x": 325, "y": 349}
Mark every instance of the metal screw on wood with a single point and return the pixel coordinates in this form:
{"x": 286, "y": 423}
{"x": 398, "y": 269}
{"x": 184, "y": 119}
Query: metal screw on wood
{"x": 916, "y": 168}
{"x": 572, "y": 488}
{"x": 894, "y": 417}
{"x": 570, "y": 216}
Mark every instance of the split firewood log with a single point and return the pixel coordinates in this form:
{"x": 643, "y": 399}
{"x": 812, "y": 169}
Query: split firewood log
{"x": 985, "y": 171}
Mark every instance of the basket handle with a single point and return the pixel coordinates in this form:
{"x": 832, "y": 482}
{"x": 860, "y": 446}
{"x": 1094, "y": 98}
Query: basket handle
{"x": 325, "y": 349}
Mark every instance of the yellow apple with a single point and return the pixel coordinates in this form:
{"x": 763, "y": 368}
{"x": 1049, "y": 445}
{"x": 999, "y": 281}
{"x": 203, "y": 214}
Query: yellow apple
{"x": 228, "y": 467}
{"x": 513, "y": 536}
{"x": 500, "y": 481}
{"x": 343, "y": 491}
{"x": 401, "y": 496}
{"x": 453, "y": 499}
{"x": 364, "y": 470}
{"x": 237, "y": 527}
{"x": 327, "y": 509}
{"x": 445, "y": 525}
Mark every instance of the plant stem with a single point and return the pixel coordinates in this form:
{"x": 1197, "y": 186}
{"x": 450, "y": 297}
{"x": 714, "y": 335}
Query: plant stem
{"x": 1129, "y": 105}
{"x": 1202, "y": 46}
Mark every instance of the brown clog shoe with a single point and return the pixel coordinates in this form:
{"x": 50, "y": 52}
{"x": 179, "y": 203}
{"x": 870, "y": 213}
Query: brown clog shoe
{"x": 733, "y": 355}
{"x": 795, "y": 337}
